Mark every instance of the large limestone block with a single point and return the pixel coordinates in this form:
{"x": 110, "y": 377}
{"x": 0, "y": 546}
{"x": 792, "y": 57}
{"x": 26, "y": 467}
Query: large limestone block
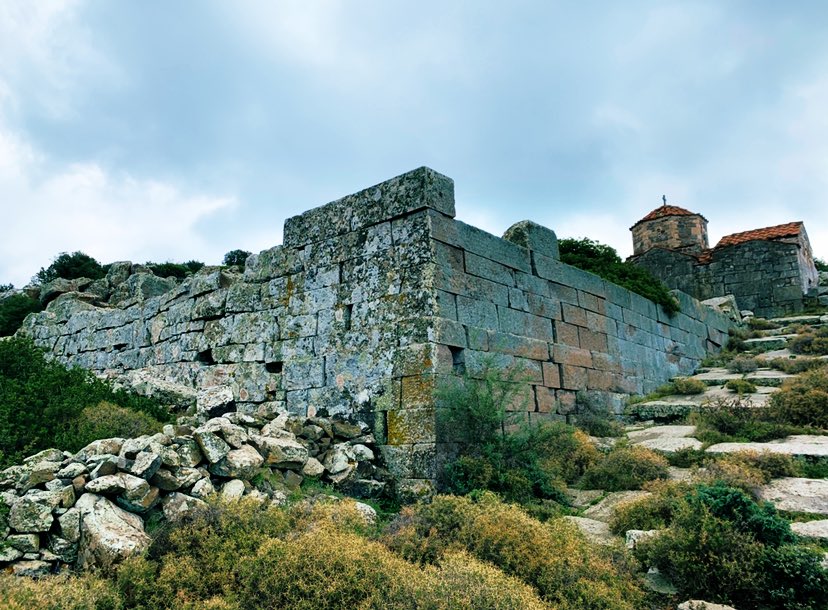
{"x": 108, "y": 534}
{"x": 597, "y": 532}
{"x": 799, "y": 495}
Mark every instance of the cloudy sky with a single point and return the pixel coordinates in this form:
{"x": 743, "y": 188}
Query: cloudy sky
{"x": 159, "y": 130}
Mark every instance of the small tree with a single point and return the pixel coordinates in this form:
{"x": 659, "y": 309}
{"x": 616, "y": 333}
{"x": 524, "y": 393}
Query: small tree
{"x": 6, "y": 287}
{"x": 235, "y": 258}
{"x": 70, "y": 267}
{"x": 13, "y": 310}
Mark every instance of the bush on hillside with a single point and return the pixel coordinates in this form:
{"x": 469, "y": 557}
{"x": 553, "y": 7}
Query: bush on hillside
{"x": 177, "y": 270}
{"x": 70, "y": 267}
{"x": 747, "y": 470}
{"x": 794, "y": 365}
{"x": 625, "y": 468}
{"x": 235, "y": 258}
{"x": 741, "y": 386}
{"x": 247, "y": 554}
{"x": 553, "y": 557}
{"x": 723, "y": 546}
{"x": 736, "y": 420}
{"x": 13, "y": 310}
{"x": 85, "y": 592}
{"x": 810, "y": 343}
{"x": 688, "y": 385}
{"x": 602, "y": 260}
{"x": 42, "y": 402}
{"x": 742, "y": 364}
{"x": 802, "y": 401}
{"x": 820, "y": 264}
{"x": 522, "y": 463}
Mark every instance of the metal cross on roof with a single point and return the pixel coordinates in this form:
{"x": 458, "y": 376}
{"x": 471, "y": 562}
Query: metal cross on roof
{"x": 664, "y": 199}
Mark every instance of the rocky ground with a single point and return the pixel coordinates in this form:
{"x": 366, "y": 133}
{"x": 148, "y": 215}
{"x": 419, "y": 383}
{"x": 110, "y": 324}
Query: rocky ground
{"x": 805, "y": 499}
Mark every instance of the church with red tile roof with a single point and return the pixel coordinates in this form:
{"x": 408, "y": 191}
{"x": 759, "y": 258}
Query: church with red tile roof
{"x": 770, "y": 271}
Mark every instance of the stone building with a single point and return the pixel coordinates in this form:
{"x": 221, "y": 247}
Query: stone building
{"x": 770, "y": 271}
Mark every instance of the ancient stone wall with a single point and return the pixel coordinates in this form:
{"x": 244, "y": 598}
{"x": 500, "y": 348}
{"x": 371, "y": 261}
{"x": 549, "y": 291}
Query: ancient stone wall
{"x": 369, "y": 301}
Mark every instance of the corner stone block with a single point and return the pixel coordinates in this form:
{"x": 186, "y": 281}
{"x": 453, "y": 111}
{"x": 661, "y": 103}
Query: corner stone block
{"x": 533, "y": 237}
{"x": 415, "y": 190}
{"x": 417, "y": 391}
{"x": 409, "y": 426}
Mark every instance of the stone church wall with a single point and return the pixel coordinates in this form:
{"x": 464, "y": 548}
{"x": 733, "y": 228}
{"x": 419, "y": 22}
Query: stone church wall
{"x": 369, "y": 302}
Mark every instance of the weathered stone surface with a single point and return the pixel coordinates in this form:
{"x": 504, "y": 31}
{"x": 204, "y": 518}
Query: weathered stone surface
{"x": 633, "y": 537}
{"x": 213, "y": 447}
{"x": 25, "y": 543}
{"x": 604, "y": 509}
{"x": 32, "y": 568}
{"x": 178, "y": 506}
{"x": 232, "y": 490}
{"x": 28, "y": 515}
{"x": 797, "y": 495}
{"x": 313, "y": 468}
{"x": 597, "y": 532}
{"x": 108, "y": 533}
{"x": 581, "y": 498}
{"x": 817, "y": 530}
{"x": 283, "y": 452}
{"x": 70, "y": 524}
{"x": 800, "y": 444}
{"x": 215, "y": 401}
{"x": 697, "y": 604}
{"x": 238, "y": 463}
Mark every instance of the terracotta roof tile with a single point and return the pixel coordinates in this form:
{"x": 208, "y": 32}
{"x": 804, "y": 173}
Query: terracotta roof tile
{"x": 666, "y": 210}
{"x": 790, "y": 229}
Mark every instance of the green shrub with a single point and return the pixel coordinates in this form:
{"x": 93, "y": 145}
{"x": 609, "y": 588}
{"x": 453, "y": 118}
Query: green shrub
{"x": 177, "y": 270}
{"x": 742, "y": 364}
{"x": 596, "y": 419}
{"x": 687, "y": 385}
{"x": 70, "y": 267}
{"x": 604, "y": 261}
{"x": 820, "y": 264}
{"x": 107, "y": 420}
{"x": 552, "y": 557}
{"x": 58, "y": 593}
{"x": 761, "y": 324}
{"x": 41, "y": 401}
{"x": 802, "y": 401}
{"x": 737, "y": 421}
{"x": 723, "y": 546}
{"x": 625, "y": 468}
{"x": 794, "y": 365}
{"x": 235, "y": 258}
{"x": 13, "y": 310}
{"x": 741, "y": 386}
{"x": 812, "y": 343}
{"x": 650, "y": 512}
{"x": 523, "y": 463}
{"x": 747, "y": 470}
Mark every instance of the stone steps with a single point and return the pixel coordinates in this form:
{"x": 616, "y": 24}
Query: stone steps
{"x": 797, "y": 445}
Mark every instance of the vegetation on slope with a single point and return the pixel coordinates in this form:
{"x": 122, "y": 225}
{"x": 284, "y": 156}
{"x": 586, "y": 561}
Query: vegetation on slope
{"x": 44, "y": 404}
{"x": 603, "y": 260}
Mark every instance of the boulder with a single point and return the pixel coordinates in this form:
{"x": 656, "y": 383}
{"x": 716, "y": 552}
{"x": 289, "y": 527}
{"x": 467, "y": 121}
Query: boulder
{"x": 281, "y": 452}
{"x": 28, "y": 515}
{"x": 215, "y": 401}
{"x": 32, "y": 568}
{"x": 633, "y": 537}
{"x": 238, "y": 463}
{"x": 177, "y": 506}
{"x": 604, "y": 509}
{"x": 697, "y": 604}
{"x": 233, "y": 490}
{"x": 108, "y": 534}
{"x": 313, "y": 468}
{"x": 213, "y": 448}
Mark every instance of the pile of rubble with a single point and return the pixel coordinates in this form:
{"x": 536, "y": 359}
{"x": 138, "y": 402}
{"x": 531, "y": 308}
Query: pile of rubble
{"x": 89, "y": 509}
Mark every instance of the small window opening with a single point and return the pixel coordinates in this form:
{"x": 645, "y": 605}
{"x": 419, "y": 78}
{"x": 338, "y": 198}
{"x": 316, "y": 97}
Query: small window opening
{"x": 274, "y": 367}
{"x": 206, "y": 357}
{"x": 458, "y": 360}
